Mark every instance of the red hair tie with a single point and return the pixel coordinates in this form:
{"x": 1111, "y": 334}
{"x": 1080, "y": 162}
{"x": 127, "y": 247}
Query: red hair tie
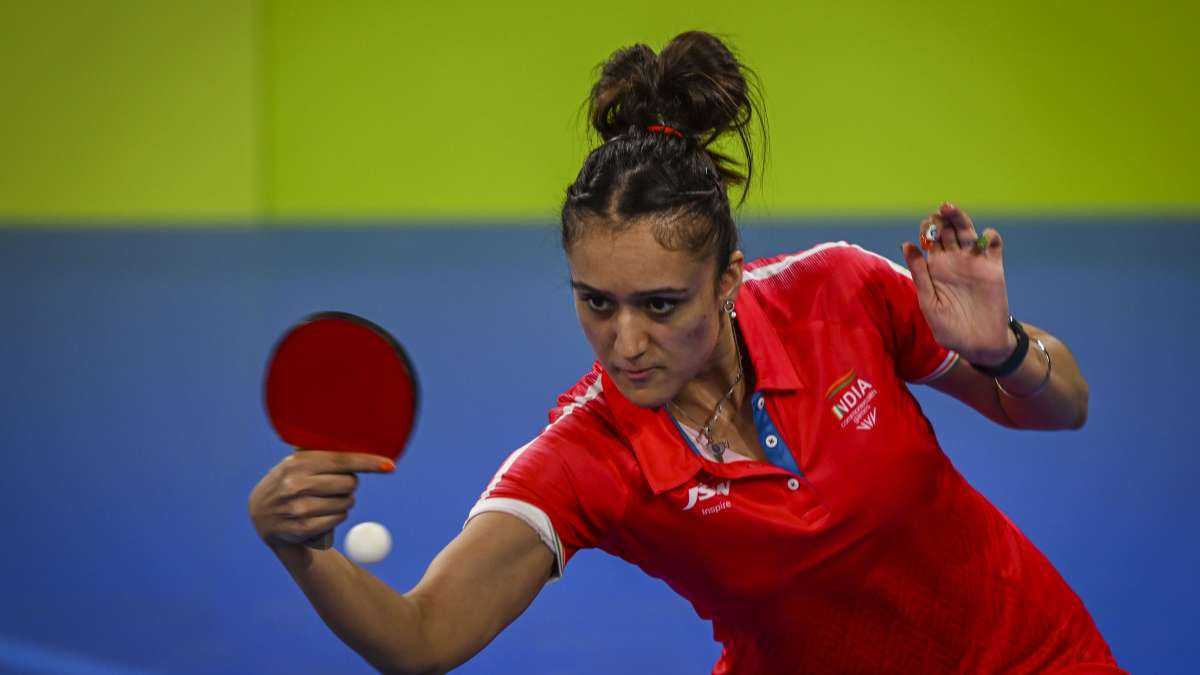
{"x": 664, "y": 129}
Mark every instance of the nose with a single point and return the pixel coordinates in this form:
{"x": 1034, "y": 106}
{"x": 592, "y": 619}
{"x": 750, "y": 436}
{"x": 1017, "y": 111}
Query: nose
{"x": 632, "y": 339}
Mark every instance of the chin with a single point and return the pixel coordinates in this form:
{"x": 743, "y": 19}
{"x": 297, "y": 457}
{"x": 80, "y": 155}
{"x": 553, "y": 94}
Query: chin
{"x": 644, "y": 397}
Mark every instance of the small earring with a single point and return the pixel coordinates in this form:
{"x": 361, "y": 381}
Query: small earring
{"x": 729, "y": 308}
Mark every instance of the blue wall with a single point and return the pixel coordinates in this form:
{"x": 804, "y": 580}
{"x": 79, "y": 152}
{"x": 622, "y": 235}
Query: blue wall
{"x": 132, "y": 432}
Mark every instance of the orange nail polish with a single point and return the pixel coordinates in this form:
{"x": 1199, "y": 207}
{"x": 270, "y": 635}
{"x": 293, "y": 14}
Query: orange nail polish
{"x": 387, "y": 466}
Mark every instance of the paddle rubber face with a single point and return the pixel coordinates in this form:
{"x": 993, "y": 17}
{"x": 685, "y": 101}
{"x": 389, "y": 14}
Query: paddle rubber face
{"x": 338, "y": 382}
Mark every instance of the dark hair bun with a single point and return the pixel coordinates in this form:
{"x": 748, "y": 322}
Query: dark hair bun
{"x": 695, "y": 85}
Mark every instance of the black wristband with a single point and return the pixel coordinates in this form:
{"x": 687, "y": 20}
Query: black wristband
{"x": 1014, "y": 361}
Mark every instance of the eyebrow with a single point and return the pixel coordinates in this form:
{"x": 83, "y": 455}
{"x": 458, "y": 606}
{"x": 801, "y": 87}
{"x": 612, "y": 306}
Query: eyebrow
{"x": 579, "y": 285}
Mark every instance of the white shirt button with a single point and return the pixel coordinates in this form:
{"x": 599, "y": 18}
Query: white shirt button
{"x": 762, "y": 402}
{"x": 771, "y": 441}
{"x": 793, "y": 484}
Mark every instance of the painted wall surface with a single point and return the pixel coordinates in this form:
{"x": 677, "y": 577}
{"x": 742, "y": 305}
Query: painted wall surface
{"x": 132, "y": 110}
{"x": 468, "y": 108}
{"x": 132, "y": 431}
{"x": 127, "y": 111}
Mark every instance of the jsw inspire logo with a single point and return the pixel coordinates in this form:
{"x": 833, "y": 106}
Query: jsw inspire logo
{"x": 702, "y": 492}
{"x": 851, "y": 398}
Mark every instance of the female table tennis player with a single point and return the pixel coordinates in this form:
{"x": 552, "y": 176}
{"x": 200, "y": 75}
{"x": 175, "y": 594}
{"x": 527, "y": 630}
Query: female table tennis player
{"x": 747, "y": 433}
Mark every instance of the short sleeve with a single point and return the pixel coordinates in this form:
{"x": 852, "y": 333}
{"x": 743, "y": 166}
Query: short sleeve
{"x": 560, "y": 487}
{"x": 894, "y": 307}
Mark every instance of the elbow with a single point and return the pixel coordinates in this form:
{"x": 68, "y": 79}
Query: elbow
{"x": 408, "y": 667}
{"x": 398, "y": 667}
{"x": 414, "y": 657}
{"x": 413, "y": 671}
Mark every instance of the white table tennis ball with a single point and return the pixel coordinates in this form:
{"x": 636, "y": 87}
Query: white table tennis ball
{"x": 367, "y": 543}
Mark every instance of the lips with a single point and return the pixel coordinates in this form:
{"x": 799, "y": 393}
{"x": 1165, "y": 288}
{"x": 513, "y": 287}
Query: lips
{"x": 638, "y": 375}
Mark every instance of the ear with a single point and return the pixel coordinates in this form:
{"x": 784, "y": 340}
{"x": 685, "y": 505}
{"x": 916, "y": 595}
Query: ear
{"x": 730, "y": 281}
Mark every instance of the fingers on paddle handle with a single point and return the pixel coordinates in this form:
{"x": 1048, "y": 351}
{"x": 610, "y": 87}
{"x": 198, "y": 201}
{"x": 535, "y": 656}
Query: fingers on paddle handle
{"x": 321, "y": 542}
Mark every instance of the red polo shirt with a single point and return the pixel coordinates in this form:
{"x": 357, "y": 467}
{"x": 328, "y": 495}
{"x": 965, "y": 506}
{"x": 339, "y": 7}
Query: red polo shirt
{"x": 857, "y": 547}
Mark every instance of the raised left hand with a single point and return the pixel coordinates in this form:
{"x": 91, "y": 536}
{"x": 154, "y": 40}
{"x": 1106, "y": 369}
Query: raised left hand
{"x": 961, "y": 287}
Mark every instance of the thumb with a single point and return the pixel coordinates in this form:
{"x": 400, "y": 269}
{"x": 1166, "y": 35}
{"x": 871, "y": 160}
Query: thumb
{"x": 919, "y": 267}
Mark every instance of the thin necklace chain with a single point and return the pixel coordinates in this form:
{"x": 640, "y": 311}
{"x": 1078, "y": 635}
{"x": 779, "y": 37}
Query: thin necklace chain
{"x": 718, "y": 447}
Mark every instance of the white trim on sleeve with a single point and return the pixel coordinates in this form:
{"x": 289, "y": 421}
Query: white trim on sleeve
{"x": 533, "y": 516}
{"x": 943, "y": 368}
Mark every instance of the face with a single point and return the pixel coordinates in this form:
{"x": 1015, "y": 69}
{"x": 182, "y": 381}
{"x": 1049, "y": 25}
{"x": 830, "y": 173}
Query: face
{"x": 653, "y": 316}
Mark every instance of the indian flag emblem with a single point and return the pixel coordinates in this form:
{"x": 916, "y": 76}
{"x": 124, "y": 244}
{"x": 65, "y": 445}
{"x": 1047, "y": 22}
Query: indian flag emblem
{"x": 850, "y": 399}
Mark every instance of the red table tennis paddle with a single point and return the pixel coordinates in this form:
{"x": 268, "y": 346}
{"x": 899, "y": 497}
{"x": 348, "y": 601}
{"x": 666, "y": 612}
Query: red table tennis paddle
{"x": 337, "y": 382}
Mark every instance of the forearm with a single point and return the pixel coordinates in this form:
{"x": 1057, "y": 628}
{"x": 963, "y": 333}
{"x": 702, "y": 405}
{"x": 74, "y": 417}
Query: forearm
{"x": 382, "y": 625}
{"x": 1063, "y": 404}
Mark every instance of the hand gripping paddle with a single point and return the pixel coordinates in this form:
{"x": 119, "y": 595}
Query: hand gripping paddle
{"x": 337, "y": 382}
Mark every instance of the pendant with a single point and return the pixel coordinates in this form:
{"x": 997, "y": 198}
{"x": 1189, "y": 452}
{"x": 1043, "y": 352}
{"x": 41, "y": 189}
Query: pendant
{"x": 718, "y": 450}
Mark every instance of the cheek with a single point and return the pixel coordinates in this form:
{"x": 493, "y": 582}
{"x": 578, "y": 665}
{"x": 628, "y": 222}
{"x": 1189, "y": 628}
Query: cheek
{"x": 698, "y": 332}
{"x": 696, "y": 339}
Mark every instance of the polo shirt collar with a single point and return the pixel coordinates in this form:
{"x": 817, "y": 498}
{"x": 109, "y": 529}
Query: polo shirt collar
{"x": 664, "y": 459}
{"x": 773, "y": 368}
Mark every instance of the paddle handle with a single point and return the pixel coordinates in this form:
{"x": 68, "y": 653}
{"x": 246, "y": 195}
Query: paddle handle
{"x": 321, "y": 542}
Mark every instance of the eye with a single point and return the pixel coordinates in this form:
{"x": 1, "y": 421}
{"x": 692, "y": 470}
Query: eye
{"x": 661, "y": 306}
{"x": 597, "y": 303}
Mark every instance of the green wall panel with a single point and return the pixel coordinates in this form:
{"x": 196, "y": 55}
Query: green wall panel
{"x": 128, "y": 111}
{"x": 136, "y": 111}
{"x": 453, "y": 108}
